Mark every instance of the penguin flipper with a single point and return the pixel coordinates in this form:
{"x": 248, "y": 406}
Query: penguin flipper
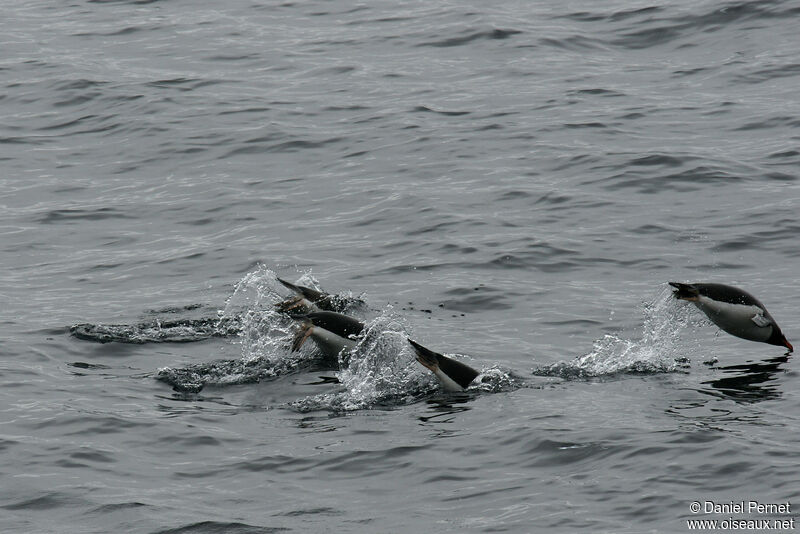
{"x": 760, "y": 320}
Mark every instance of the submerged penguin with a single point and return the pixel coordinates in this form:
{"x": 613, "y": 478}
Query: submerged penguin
{"x": 733, "y": 310}
{"x": 452, "y": 374}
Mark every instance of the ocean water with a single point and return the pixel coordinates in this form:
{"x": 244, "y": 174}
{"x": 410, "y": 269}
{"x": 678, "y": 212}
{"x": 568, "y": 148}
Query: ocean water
{"x": 511, "y": 183}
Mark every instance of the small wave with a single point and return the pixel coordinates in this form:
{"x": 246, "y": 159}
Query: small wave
{"x": 473, "y": 299}
{"x": 768, "y": 73}
{"x": 641, "y": 28}
{"x": 467, "y": 37}
{"x": 62, "y": 216}
{"x": 587, "y": 16}
{"x": 658, "y": 351}
{"x": 209, "y": 527}
{"x": 426, "y": 109}
{"x": 578, "y": 43}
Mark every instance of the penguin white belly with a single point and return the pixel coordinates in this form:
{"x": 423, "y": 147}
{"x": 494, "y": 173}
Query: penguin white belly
{"x": 448, "y": 384}
{"x": 742, "y": 320}
{"x": 331, "y": 344}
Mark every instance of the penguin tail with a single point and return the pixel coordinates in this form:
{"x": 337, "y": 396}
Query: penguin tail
{"x": 685, "y": 291}
{"x": 425, "y": 356}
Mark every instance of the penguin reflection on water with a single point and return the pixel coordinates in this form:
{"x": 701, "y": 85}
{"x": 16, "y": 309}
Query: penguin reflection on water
{"x": 733, "y": 310}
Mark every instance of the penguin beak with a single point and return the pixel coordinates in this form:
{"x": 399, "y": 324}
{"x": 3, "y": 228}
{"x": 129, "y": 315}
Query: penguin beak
{"x": 788, "y": 345}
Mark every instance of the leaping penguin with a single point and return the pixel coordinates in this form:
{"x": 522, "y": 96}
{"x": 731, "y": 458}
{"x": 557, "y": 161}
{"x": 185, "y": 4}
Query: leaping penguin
{"x": 452, "y": 374}
{"x": 733, "y": 310}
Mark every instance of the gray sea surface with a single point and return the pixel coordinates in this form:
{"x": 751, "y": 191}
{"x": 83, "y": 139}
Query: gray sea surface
{"x": 510, "y": 183}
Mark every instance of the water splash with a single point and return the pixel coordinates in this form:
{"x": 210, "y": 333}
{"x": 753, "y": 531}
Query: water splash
{"x": 264, "y": 332}
{"x": 496, "y": 380}
{"x": 264, "y": 336}
{"x": 658, "y": 351}
{"x": 382, "y": 371}
{"x": 379, "y": 371}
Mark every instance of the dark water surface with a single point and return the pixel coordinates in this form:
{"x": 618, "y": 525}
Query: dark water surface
{"x": 513, "y": 183}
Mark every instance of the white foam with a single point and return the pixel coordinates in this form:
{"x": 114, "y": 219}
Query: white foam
{"x": 660, "y": 348}
{"x": 381, "y": 367}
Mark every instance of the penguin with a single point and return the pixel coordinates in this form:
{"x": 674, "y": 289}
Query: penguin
{"x": 452, "y": 374}
{"x": 734, "y": 310}
{"x": 331, "y": 331}
{"x": 310, "y": 300}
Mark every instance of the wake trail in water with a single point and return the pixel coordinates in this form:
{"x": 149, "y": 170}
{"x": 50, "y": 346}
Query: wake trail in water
{"x": 381, "y": 370}
{"x": 659, "y": 350}
{"x": 158, "y": 330}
